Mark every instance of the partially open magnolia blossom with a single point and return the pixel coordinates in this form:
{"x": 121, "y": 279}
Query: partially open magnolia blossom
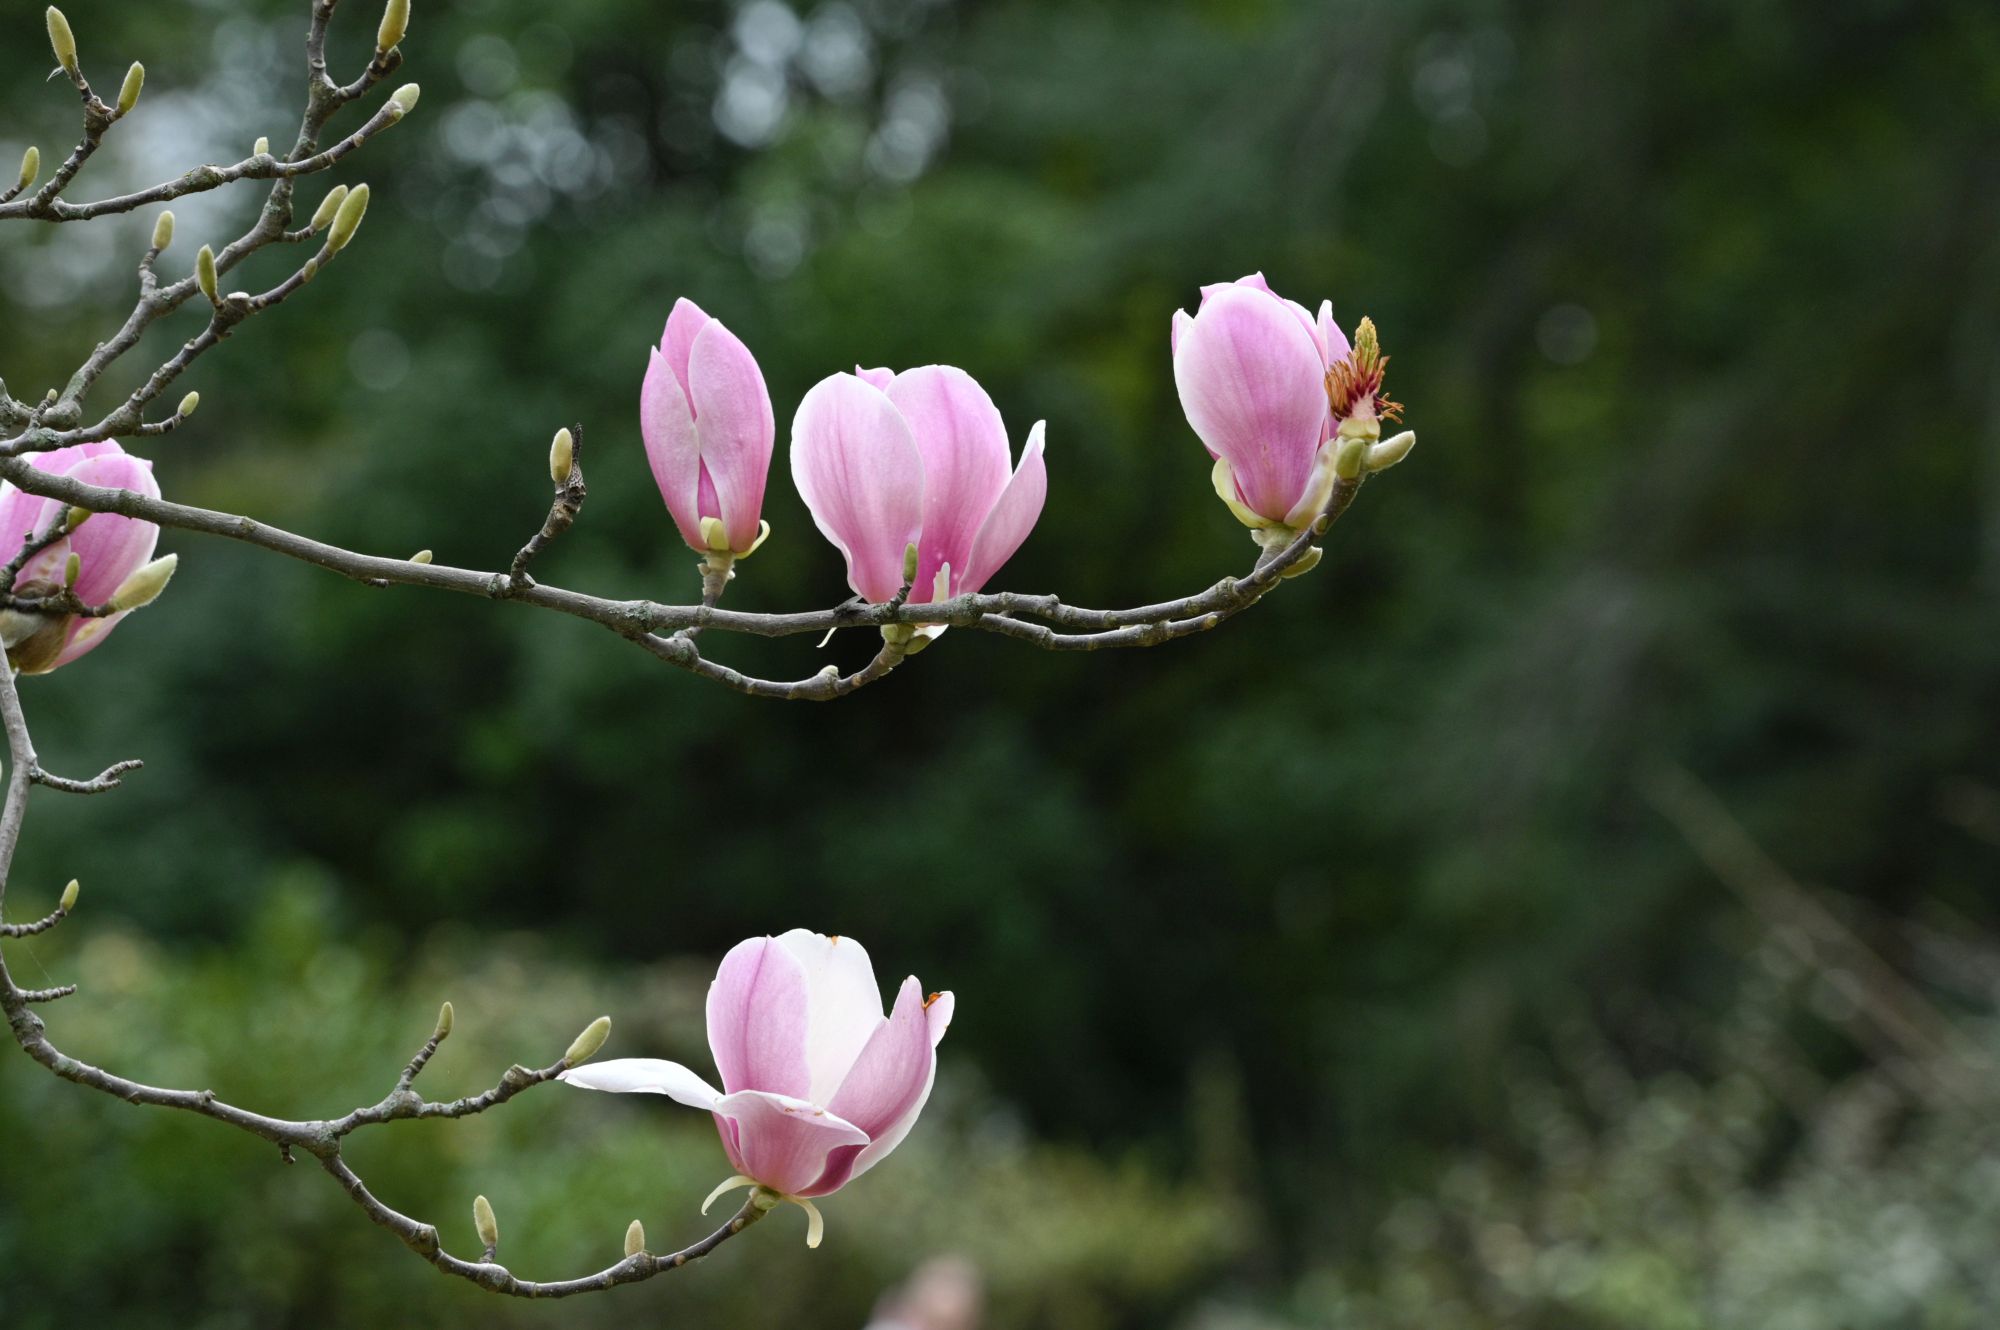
{"x": 707, "y": 422}
{"x": 110, "y": 551}
{"x": 886, "y": 461}
{"x": 1281, "y": 400}
{"x": 818, "y": 1086}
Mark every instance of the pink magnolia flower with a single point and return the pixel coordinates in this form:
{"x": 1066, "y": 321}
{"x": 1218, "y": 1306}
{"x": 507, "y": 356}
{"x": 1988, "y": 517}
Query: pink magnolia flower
{"x": 817, "y": 1085}
{"x": 109, "y": 549}
{"x": 1252, "y": 369}
{"x": 887, "y": 460}
{"x": 706, "y": 419}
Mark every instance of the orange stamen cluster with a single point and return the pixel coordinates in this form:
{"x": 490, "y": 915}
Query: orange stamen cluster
{"x": 1355, "y": 381}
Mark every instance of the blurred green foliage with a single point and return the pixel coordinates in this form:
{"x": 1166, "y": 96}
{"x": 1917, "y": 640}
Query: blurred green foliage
{"x": 1696, "y": 309}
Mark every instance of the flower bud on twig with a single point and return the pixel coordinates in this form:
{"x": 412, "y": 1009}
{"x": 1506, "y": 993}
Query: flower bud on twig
{"x": 75, "y": 518}
{"x": 188, "y": 405}
{"x": 128, "y": 92}
{"x": 421, "y": 556}
{"x": 395, "y": 22}
{"x": 635, "y": 1238}
{"x": 204, "y": 274}
{"x": 261, "y": 146}
{"x": 444, "y": 1022}
{"x": 587, "y": 1043}
{"x": 144, "y": 587}
{"x": 163, "y": 231}
{"x": 328, "y": 206}
{"x": 31, "y": 166}
{"x": 347, "y": 219}
{"x": 72, "y": 569}
{"x": 69, "y": 896}
{"x": 63, "y": 40}
{"x": 1381, "y": 456}
{"x": 1347, "y": 462}
{"x": 484, "y": 1224}
{"x": 403, "y": 101}
{"x": 562, "y": 456}
{"x": 910, "y": 563}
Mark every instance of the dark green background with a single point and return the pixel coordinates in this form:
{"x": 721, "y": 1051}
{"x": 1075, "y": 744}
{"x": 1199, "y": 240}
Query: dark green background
{"x": 1332, "y": 969}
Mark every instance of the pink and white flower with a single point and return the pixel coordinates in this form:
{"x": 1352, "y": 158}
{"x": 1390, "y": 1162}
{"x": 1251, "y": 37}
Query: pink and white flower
{"x": 707, "y": 422}
{"x": 886, "y": 461}
{"x": 818, "y": 1086}
{"x": 109, "y": 549}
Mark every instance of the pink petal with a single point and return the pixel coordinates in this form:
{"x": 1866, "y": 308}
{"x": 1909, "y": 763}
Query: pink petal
{"x": 684, "y": 324}
{"x": 1252, "y": 384}
{"x": 781, "y": 1141}
{"x": 963, "y": 443}
{"x": 757, "y": 1019}
{"x": 111, "y": 548}
{"x": 1013, "y": 516}
{"x": 666, "y": 423}
{"x": 1312, "y": 329}
{"x": 644, "y": 1076}
{"x": 876, "y": 378}
{"x": 938, "y": 1016}
{"x": 734, "y": 427}
{"x": 858, "y": 469}
{"x": 30, "y": 513}
{"x": 888, "y": 1079}
{"x": 843, "y": 1001}
{"x": 85, "y": 636}
{"x": 1181, "y": 320}
{"x": 1330, "y": 335}
{"x": 1255, "y": 282}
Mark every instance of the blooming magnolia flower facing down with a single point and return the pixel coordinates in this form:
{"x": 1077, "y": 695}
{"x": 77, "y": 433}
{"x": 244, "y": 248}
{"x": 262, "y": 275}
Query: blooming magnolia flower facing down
{"x": 886, "y": 461}
{"x": 706, "y": 419}
{"x": 818, "y": 1086}
{"x": 109, "y": 549}
{"x": 1274, "y": 392}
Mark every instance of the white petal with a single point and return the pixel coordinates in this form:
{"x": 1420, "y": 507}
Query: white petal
{"x": 644, "y": 1076}
{"x": 843, "y": 1002}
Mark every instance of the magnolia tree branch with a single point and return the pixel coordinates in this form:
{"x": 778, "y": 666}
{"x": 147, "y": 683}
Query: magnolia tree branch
{"x": 671, "y": 633}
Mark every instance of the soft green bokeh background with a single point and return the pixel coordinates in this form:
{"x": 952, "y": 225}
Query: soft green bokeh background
{"x": 1335, "y": 969}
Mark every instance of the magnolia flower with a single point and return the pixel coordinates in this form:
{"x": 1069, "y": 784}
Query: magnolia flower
{"x": 817, "y": 1085}
{"x": 707, "y": 422}
{"x": 1268, "y": 388}
{"x": 886, "y": 461}
{"x": 109, "y": 549}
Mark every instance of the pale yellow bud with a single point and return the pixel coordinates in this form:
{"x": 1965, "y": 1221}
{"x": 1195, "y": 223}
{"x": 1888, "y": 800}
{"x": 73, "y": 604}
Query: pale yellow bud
{"x": 188, "y": 405}
{"x": 72, "y": 569}
{"x": 328, "y": 206}
{"x": 444, "y": 1022}
{"x": 163, "y": 231}
{"x": 483, "y": 1222}
{"x": 128, "y": 92}
{"x": 261, "y": 146}
{"x": 395, "y": 22}
{"x": 635, "y": 1238}
{"x": 403, "y": 101}
{"x": 76, "y": 517}
{"x": 421, "y": 556}
{"x": 1383, "y": 455}
{"x": 562, "y": 456}
{"x": 144, "y": 587}
{"x": 587, "y": 1043}
{"x": 31, "y": 166}
{"x": 69, "y": 896}
{"x": 204, "y": 274}
{"x": 1347, "y": 462}
{"x": 347, "y": 219}
{"x": 910, "y": 563}
{"x": 62, "y": 39}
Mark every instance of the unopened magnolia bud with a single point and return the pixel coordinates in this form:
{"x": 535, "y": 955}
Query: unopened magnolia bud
{"x": 347, "y": 219}
{"x": 562, "y": 456}
{"x": 1306, "y": 562}
{"x": 31, "y": 166}
{"x": 587, "y": 1043}
{"x": 204, "y": 274}
{"x": 910, "y": 563}
{"x": 72, "y": 569}
{"x": 421, "y": 556}
{"x": 395, "y": 22}
{"x": 403, "y": 101}
{"x": 188, "y": 405}
{"x": 128, "y": 92}
{"x": 635, "y": 1238}
{"x": 1347, "y": 462}
{"x": 328, "y": 206}
{"x": 144, "y": 587}
{"x": 69, "y": 903}
{"x": 483, "y": 1222}
{"x": 1383, "y": 455}
{"x": 163, "y": 231}
{"x": 444, "y": 1022}
{"x": 62, "y": 39}
{"x": 261, "y": 146}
